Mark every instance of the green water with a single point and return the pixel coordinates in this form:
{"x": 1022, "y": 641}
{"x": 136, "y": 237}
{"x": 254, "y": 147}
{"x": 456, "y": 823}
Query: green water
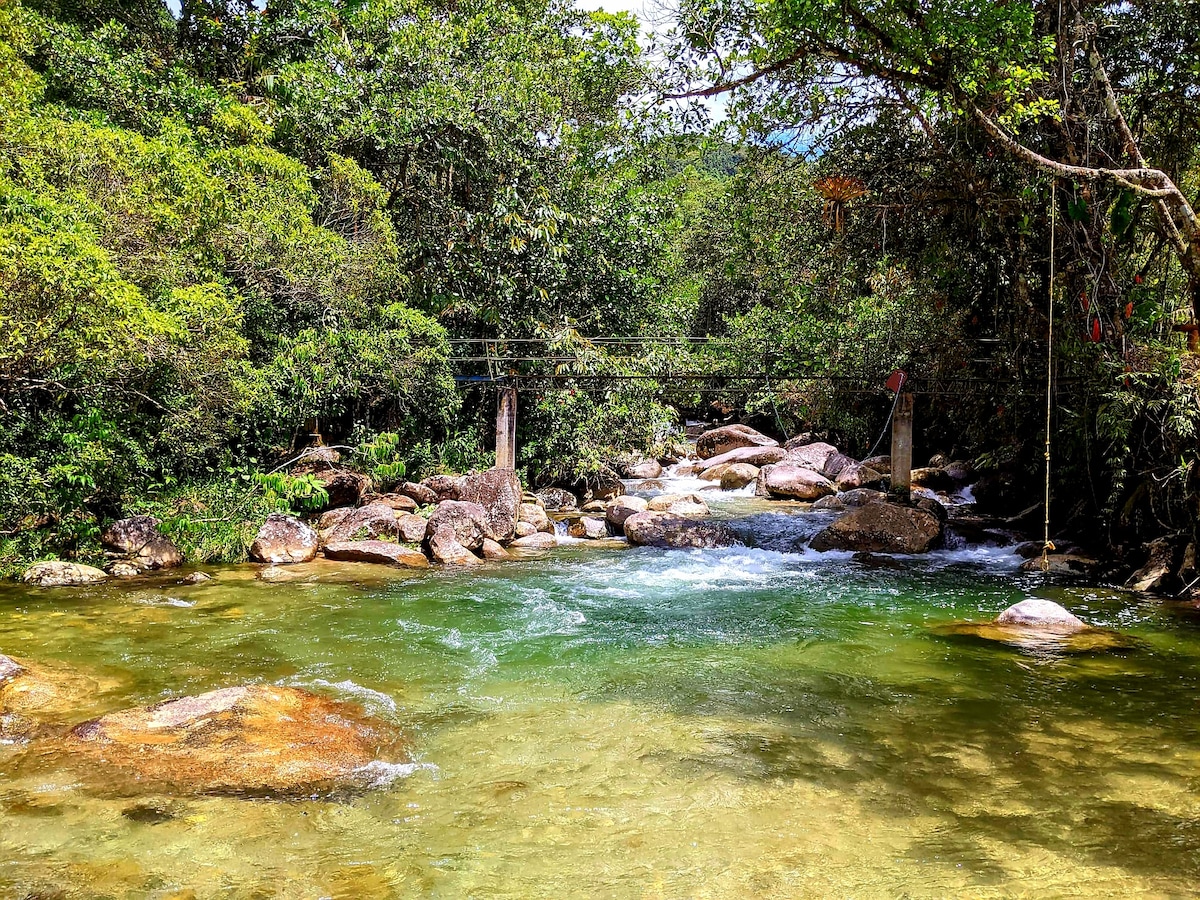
{"x": 737, "y": 723}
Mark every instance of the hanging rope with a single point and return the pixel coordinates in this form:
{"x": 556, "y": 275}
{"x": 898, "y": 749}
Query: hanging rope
{"x": 1047, "y": 544}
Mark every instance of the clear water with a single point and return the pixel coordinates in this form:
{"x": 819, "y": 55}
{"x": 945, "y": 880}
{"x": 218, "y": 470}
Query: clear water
{"x": 608, "y": 722}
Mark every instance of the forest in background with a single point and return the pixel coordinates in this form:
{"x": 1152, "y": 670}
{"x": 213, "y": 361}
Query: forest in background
{"x": 226, "y": 230}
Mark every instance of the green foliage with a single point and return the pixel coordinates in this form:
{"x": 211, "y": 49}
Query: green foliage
{"x": 292, "y": 492}
{"x": 380, "y": 458}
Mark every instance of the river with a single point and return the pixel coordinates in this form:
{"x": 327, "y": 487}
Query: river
{"x": 600, "y": 721}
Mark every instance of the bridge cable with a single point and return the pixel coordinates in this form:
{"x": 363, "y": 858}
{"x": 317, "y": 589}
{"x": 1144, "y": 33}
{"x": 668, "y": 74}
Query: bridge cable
{"x": 1047, "y": 544}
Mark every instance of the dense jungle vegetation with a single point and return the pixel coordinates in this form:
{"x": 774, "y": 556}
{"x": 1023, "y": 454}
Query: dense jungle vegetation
{"x": 227, "y": 228}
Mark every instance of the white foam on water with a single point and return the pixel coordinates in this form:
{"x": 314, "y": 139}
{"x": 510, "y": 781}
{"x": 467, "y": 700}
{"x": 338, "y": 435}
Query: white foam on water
{"x": 371, "y": 699}
{"x": 379, "y": 774}
{"x": 163, "y": 600}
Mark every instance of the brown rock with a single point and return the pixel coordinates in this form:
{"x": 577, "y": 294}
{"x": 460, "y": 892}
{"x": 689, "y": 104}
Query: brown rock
{"x": 421, "y": 494}
{"x": 882, "y": 528}
{"x": 538, "y": 541}
{"x": 524, "y": 529}
{"x": 61, "y": 574}
{"x": 861, "y": 497}
{"x": 690, "y": 506}
{"x": 445, "y": 547}
{"x": 315, "y": 459}
{"x": 1158, "y": 572}
{"x": 373, "y": 522}
{"x": 812, "y": 456}
{"x": 469, "y": 522}
{"x": 256, "y": 739}
{"x": 836, "y": 464}
{"x": 730, "y": 437}
{"x": 592, "y": 529}
{"x": 138, "y": 537}
{"x": 534, "y": 515}
{"x": 445, "y": 487}
{"x": 498, "y": 491}
{"x": 397, "y": 501}
{"x": 330, "y": 519}
{"x": 737, "y": 476}
{"x": 492, "y": 550}
{"x": 881, "y": 464}
{"x": 857, "y": 476}
{"x": 382, "y": 553}
{"x": 344, "y": 488}
{"x": 791, "y": 480}
{"x": 755, "y": 456}
{"x": 557, "y": 498}
{"x": 934, "y": 479}
{"x": 622, "y": 508}
{"x": 646, "y": 469}
{"x": 411, "y": 528}
{"x": 661, "y": 529}
{"x": 715, "y": 473}
{"x": 123, "y": 569}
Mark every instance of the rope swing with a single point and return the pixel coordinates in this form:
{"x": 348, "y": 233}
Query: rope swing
{"x": 1047, "y": 544}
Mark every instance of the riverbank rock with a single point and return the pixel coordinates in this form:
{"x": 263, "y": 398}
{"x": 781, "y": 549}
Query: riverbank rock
{"x": 139, "y": 539}
{"x": 397, "y": 502}
{"x": 284, "y": 539}
{"x": 55, "y": 573}
{"x": 1041, "y": 614}
{"x": 444, "y": 487}
{"x": 1062, "y": 564}
{"x": 492, "y": 550}
{"x": 343, "y": 488}
{"x": 882, "y": 528}
{"x": 447, "y": 549}
{"x": 382, "y": 553}
{"x": 539, "y": 541}
{"x": 647, "y": 468}
{"x": 837, "y": 463}
{"x": 858, "y": 476}
{"x": 534, "y": 515}
{"x": 881, "y": 464}
{"x": 419, "y": 493}
{"x": 792, "y": 481}
{"x": 1158, "y": 572}
{"x": 373, "y": 522}
{"x": 738, "y": 475}
{"x": 813, "y": 456}
{"x": 690, "y": 506}
{"x": 932, "y": 478}
{"x": 730, "y": 437}
{"x": 589, "y": 528}
{"x": 621, "y": 508}
{"x": 662, "y": 529}
{"x": 755, "y": 456}
{"x": 555, "y": 499}
{"x": 255, "y": 739}
{"x": 468, "y": 521}
{"x": 410, "y": 528}
{"x": 123, "y": 569}
{"x": 499, "y": 492}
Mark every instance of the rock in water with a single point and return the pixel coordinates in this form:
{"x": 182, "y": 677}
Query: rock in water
{"x": 284, "y": 539}
{"x": 468, "y": 521}
{"x": 255, "y": 739}
{"x": 690, "y": 506}
{"x": 737, "y": 476}
{"x": 649, "y": 468}
{"x": 813, "y": 456}
{"x": 139, "y": 538}
{"x": 793, "y": 481}
{"x": 588, "y": 527}
{"x": 498, "y": 491}
{"x": 538, "y": 541}
{"x": 1042, "y": 614}
{"x": 754, "y": 456}
{"x": 882, "y": 528}
{"x": 380, "y": 552}
{"x": 730, "y": 437}
{"x": 373, "y": 522}
{"x": 857, "y": 476}
{"x": 535, "y": 516}
{"x": 661, "y": 529}
{"x": 622, "y": 508}
{"x": 59, "y": 574}
{"x": 445, "y": 547}
{"x": 492, "y": 550}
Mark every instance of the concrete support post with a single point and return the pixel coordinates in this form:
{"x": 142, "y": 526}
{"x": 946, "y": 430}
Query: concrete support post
{"x": 506, "y": 428}
{"x": 902, "y": 431}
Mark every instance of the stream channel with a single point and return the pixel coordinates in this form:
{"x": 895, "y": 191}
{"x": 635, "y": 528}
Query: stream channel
{"x": 602, "y": 721}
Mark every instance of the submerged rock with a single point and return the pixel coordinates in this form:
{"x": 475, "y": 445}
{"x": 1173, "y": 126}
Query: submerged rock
{"x": 284, "y": 539}
{"x": 882, "y": 528}
{"x": 447, "y": 549}
{"x": 1038, "y": 613}
{"x": 62, "y": 574}
{"x": 379, "y": 552}
{"x": 793, "y": 481}
{"x": 1040, "y": 625}
{"x": 730, "y": 437}
{"x": 468, "y": 522}
{"x": 255, "y": 739}
{"x": 661, "y": 529}
{"x": 33, "y": 694}
{"x": 690, "y": 506}
{"x": 138, "y": 537}
{"x": 498, "y": 491}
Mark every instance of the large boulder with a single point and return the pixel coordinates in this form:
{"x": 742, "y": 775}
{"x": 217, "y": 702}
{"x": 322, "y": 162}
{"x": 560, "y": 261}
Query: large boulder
{"x": 343, "y": 488}
{"x": 445, "y": 547}
{"x": 284, "y": 539}
{"x": 662, "y": 529}
{"x": 588, "y": 527}
{"x": 61, "y": 574}
{"x": 410, "y": 528}
{"x": 881, "y": 464}
{"x": 755, "y": 456}
{"x": 621, "y": 508}
{"x": 557, "y": 499}
{"x": 837, "y": 463}
{"x": 882, "y": 528}
{"x": 373, "y": 522}
{"x": 690, "y": 506}
{"x": 857, "y": 476}
{"x": 400, "y": 503}
{"x": 647, "y": 468}
{"x": 730, "y": 437}
{"x": 498, "y": 491}
{"x": 533, "y": 514}
{"x": 139, "y": 539}
{"x": 737, "y": 476}
{"x": 444, "y": 487}
{"x": 468, "y": 521}
{"x": 1159, "y": 570}
{"x": 492, "y": 550}
{"x": 254, "y": 739}
{"x": 793, "y": 481}
{"x": 382, "y": 553}
{"x": 813, "y": 456}
{"x": 1041, "y": 614}
{"x": 421, "y": 494}
{"x": 538, "y": 541}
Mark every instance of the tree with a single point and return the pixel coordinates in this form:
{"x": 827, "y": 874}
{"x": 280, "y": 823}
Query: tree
{"x": 1033, "y": 76}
